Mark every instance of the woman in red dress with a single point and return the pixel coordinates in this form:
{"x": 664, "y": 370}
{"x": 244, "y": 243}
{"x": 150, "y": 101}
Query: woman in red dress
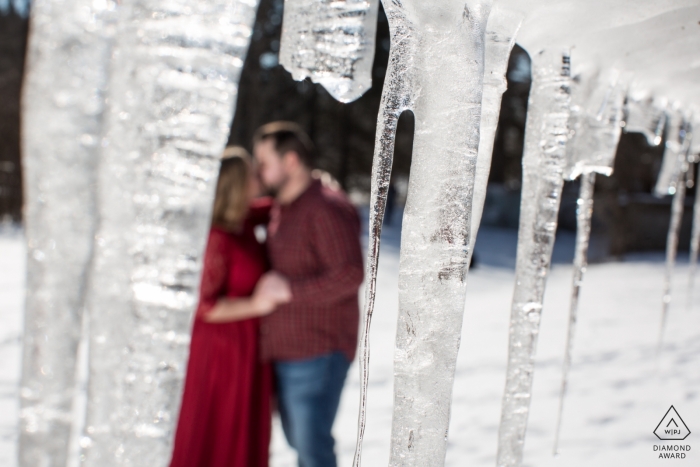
{"x": 225, "y": 415}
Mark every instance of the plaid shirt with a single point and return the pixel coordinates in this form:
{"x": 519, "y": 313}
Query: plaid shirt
{"x": 314, "y": 242}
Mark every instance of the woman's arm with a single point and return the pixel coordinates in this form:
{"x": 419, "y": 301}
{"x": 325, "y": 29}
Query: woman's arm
{"x": 261, "y": 303}
{"x": 235, "y": 309}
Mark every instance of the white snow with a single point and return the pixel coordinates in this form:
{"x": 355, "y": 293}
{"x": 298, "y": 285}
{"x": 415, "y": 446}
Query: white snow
{"x": 618, "y": 391}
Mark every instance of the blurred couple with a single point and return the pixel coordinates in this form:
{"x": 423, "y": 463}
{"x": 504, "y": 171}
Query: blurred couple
{"x": 277, "y": 319}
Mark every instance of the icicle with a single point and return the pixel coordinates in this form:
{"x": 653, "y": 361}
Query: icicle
{"x": 501, "y": 30}
{"x": 675, "y": 158}
{"x": 543, "y": 165}
{"x": 66, "y": 74}
{"x": 173, "y": 87}
{"x": 694, "y": 244}
{"x": 594, "y": 124}
{"x": 332, "y": 42}
{"x": 646, "y": 115}
{"x": 432, "y": 277}
{"x": 583, "y": 231}
{"x": 397, "y": 97}
{"x": 672, "y": 181}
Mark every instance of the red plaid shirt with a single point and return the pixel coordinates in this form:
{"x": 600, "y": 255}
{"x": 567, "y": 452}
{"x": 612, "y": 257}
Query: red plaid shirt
{"x": 315, "y": 243}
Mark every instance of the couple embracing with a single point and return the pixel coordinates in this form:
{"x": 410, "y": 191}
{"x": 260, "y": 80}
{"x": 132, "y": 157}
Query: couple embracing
{"x": 277, "y": 320}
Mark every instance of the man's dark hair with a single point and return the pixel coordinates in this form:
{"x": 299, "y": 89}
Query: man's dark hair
{"x": 288, "y": 136}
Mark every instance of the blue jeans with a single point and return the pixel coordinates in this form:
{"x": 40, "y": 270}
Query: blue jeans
{"x": 308, "y": 393}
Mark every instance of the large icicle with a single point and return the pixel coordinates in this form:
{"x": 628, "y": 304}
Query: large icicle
{"x": 594, "y": 132}
{"x": 672, "y": 181}
{"x": 501, "y": 30}
{"x": 543, "y": 165}
{"x": 397, "y": 97}
{"x": 66, "y": 73}
{"x": 445, "y": 96}
{"x": 172, "y": 90}
{"x": 331, "y": 42}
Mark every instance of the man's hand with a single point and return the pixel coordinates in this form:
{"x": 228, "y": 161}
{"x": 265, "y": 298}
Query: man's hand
{"x": 272, "y": 290}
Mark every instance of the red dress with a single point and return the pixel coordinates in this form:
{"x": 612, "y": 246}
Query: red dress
{"x": 226, "y": 405}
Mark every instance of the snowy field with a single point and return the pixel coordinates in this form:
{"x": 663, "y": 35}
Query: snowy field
{"x": 619, "y": 390}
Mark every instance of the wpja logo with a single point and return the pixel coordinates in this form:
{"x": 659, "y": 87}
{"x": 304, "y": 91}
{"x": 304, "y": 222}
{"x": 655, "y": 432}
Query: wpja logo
{"x": 672, "y": 428}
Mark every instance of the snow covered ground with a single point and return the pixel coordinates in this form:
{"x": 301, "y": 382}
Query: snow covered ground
{"x": 619, "y": 390}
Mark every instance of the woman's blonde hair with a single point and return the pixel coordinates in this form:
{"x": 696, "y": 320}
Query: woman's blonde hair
{"x": 231, "y": 201}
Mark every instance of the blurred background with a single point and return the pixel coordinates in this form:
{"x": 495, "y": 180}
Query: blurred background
{"x": 627, "y": 217}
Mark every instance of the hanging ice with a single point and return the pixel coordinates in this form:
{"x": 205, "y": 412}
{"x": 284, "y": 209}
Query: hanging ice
{"x": 544, "y": 161}
{"x": 501, "y": 30}
{"x": 445, "y": 97}
{"x": 675, "y": 158}
{"x": 695, "y": 234}
{"x": 67, "y": 59}
{"x": 645, "y": 115}
{"x": 596, "y": 113}
{"x": 331, "y": 42}
{"x": 172, "y": 90}
{"x": 594, "y": 131}
{"x": 672, "y": 181}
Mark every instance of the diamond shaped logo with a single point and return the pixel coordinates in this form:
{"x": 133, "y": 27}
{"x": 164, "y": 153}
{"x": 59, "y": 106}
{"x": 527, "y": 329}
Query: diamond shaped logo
{"x": 672, "y": 426}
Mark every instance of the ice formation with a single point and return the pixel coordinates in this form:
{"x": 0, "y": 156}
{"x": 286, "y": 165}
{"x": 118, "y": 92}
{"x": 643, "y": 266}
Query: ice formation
{"x": 331, "y": 42}
{"x": 594, "y": 131}
{"x": 544, "y": 160}
{"x": 694, "y": 242}
{"x": 172, "y": 90}
{"x": 445, "y": 96}
{"x": 501, "y": 30}
{"x": 67, "y": 59}
{"x": 646, "y": 116}
{"x": 672, "y": 180}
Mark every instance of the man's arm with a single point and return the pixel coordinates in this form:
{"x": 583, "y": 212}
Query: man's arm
{"x": 336, "y": 240}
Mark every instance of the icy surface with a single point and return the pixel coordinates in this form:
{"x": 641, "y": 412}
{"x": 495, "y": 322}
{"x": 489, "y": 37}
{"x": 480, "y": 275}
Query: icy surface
{"x": 544, "y": 160}
{"x": 67, "y": 62}
{"x": 584, "y": 212}
{"x": 501, "y": 30}
{"x": 332, "y": 42}
{"x": 173, "y": 86}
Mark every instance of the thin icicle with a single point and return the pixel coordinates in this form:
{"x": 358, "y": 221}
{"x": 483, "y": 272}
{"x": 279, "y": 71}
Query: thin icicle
{"x": 331, "y": 42}
{"x": 694, "y": 243}
{"x": 543, "y": 165}
{"x": 675, "y": 161}
{"x": 596, "y": 113}
{"x": 397, "y": 97}
{"x": 172, "y": 92}
{"x": 62, "y": 107}
{"x": 584, "y": 212}
{"x": 677, "y": 147}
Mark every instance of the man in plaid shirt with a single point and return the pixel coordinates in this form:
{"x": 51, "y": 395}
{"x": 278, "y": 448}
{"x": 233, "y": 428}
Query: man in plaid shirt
{"x": 314, "y": 248}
